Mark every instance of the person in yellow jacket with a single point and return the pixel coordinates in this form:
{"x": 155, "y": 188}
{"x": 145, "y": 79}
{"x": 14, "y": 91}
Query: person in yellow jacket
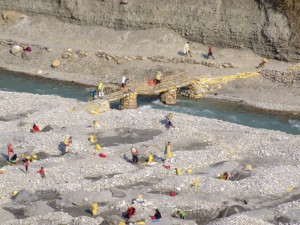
{"x": 168, "y": 151}
{"x": 101, "y": 89}
{"x": 158, "y": 78}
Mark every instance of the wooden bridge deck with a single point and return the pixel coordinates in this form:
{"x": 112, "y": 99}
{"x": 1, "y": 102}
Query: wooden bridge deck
{"x": 143, "y": 88}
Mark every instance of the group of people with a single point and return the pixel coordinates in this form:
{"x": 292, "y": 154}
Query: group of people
{"x": 157, "y": 215}
{"x": 187, "y": 51}
{"x": 168, "y": 153}
{"x": 12, "y": 158}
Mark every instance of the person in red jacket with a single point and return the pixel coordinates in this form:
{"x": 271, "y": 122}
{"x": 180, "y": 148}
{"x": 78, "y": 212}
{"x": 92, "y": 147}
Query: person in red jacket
{"x": 42, "y": 172}
{"x": 35, "y": 129}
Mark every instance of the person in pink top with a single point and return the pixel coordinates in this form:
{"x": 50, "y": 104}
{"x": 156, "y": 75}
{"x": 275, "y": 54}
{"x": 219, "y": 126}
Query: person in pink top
{"x": 10, "y": 151}
{"x": 26, "y": 165}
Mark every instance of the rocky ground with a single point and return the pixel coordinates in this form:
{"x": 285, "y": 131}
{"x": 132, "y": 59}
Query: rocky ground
{"x": 269, "y": 194}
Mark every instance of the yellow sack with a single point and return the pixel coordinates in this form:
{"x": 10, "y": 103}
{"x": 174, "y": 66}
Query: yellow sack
{"x": 178, "y": 171}
{"x": 122, "y": 223}
{"x": 92, "y": 138}
{"x": 100, "y": 85}
{"x": 66, "y": 140}
{"x": 189, "y": 170}
{"x": 150, "y": 158}
{"x": 98, "y": 147}
{"x": 196, "y": 183}
{"x": 140, "y": 223}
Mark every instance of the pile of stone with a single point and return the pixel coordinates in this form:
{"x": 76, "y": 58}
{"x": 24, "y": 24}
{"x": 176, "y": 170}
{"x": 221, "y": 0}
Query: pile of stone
{"x": 120, "y": 59}
{"x": 70, "y": 54}
{"x": 288, "y": 78}
{"x": 117, "y": 58}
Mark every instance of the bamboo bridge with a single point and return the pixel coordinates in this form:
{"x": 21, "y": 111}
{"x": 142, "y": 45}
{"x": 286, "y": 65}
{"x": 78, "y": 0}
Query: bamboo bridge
{"x": 170, "y": 86}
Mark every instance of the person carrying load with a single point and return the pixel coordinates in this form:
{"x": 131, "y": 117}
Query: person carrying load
{"x": 158, "y": 78}
{"x": 67, "y": 143}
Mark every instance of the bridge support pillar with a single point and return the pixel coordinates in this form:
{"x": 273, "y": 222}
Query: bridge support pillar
{"x": 129, "y": 101}
{"x": 169, "y": 97}
{"x": 196, "y": 90}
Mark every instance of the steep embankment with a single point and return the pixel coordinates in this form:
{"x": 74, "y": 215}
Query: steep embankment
{"x": 222, "y": 23}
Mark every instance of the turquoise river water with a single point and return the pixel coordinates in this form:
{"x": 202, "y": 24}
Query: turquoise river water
{"x": 210, "y": 108}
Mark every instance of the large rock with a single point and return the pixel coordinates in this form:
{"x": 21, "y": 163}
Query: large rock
{"x": 5, "y": 215}
{"x": 15, "y": 49}
{"x": 37, "y": 208}
{"x": 26, "y": 197}
{"x": 11, "y": 16}
{"x": 169, "y": 97}
{"x": 117, "y": 193}
{"x": 55, "y": 63}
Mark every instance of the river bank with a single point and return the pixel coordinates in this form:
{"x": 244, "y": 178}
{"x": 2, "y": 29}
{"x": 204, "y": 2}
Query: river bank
{"x": 142, "y": 54}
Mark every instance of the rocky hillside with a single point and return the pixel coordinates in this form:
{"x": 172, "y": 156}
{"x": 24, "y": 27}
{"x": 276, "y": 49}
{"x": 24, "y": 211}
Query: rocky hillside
{"x": 268, "y": 30}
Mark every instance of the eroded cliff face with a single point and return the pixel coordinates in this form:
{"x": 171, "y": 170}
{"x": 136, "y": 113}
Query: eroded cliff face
{"x": 224, "y": 23}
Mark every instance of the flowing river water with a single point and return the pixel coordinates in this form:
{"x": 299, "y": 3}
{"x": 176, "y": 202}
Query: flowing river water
{"x": 211, "y": 108}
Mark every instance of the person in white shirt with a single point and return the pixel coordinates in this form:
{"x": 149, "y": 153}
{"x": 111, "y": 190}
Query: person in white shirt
{"x": 186, "y": 49}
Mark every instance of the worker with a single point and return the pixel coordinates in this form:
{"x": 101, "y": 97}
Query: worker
{"x": 101, "y": 89}
{"x": 186, "y": 49}
{"x": 225, "y": 176}
{"x": 168, "y": 152}
{"x": 42, "y": 172}
{"x": 169, "y": 123}
{"x": 157, "y": 215}
{"x": 210, "y": 53}
{"x": 157, "y": 78}
{"x": 134, "y": 153}
{"x": 67, "y": 143}
{"x": 10, "y": 151}
{"x": 123, "y": 83}
{"x": 35, "y": 129}
{"x": 130, "y": 212}
{"x": 26, "y": 164}
{"x": 27, "y": 49}
{"x": 181, "y": 214}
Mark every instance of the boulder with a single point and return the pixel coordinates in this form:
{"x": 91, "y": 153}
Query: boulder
{"x": 26, "y": 197}
{"x": 55, "y": 63}
{"x": 65, "y": 55}
{"x": 5, "y": 215}
{"x": 117, "y": 193}
{"x": 124, "y": 1}
{"x": 37, "y": 208}
{"x": 15, "y": 49}
{"x": 11, "y": 16}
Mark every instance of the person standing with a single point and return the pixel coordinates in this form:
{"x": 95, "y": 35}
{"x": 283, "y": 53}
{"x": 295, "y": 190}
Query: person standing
{"x": 26, "y": 165}
{"x": 10, "y": 151}
{"x": 157, "y": 78}
{"x": 123, "y": 83}
{"x": 186, "y": 49}
{"x": 210, "y": 53}
{"x": 134, "y": 153}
